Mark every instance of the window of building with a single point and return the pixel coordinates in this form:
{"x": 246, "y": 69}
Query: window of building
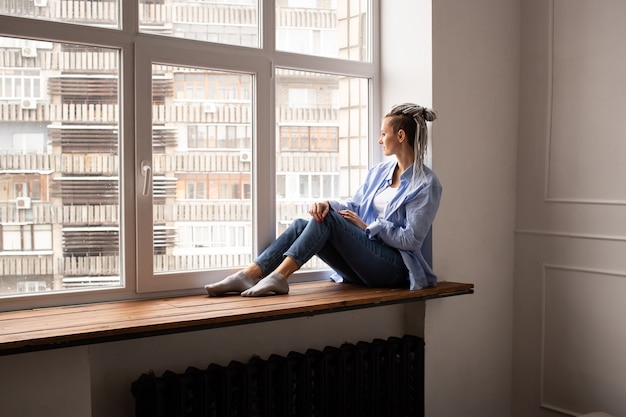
{"x": 195, "y": 190}
{"x": 309, "y": 138}
{"x": 21, "y": 84}
{"x": 211, "y": 86}
{"x": 26, "y": 237}
{"x": 31, "y": 143}
{"x": 162, "y": 156}
{"x": 233, "y": 136}
{"x": 31, "y": 286}
{"x": 306, "y": 186}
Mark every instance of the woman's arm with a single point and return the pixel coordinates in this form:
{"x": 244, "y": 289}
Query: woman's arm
{"x": 319, "y": 210}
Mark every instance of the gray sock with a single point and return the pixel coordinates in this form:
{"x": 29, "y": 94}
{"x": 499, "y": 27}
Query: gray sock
{"x": 237, "y": 282}
{"x": 273, "y": 283}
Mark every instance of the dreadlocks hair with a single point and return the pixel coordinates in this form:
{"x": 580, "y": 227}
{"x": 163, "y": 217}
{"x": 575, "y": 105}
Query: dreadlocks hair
{"x": 412, "y": 119}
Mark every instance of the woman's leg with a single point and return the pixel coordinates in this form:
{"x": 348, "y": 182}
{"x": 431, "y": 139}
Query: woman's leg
{"x": 343, "y": 246}
{"x": 368, "y": 270}
{"x": 306, "y": 244}
{"x": 272, "y": 257}
{"x": 237, "y": 282}
{"x": 268, "y": 261}
{"x": 359, "y": 259}
{"x": 276, "y": 281}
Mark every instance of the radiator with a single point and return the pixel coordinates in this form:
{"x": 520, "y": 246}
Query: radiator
{"x": 382, "y": 378}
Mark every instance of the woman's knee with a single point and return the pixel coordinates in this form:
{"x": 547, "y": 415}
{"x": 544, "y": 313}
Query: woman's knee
{"x": 334, "y": 217}
{"x": 299, "y": 225}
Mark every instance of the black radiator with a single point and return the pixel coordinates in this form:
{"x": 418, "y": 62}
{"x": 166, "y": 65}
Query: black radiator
{"x": 382, "y": 378}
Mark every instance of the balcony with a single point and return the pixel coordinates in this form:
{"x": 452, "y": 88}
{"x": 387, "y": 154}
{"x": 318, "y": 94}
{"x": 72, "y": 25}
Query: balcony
{"x": 63, "y": 113}
{"x": 203, "y": 211}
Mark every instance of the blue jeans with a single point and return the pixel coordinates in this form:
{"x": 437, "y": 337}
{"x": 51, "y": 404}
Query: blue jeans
{"x": 343, "y": 246}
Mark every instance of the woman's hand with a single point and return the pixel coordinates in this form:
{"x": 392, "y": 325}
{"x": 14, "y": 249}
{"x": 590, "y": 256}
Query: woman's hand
{"x": 319, "y": 210}
{"x": 353, "y": 218}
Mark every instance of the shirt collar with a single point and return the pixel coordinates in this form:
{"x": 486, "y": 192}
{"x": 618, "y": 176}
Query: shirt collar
{"x": 406, "y": 175}
{"x": 389, "y": 174}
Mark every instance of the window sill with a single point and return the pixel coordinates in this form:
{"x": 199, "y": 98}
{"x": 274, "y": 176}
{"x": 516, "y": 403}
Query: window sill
{"x": 58, "y": 327}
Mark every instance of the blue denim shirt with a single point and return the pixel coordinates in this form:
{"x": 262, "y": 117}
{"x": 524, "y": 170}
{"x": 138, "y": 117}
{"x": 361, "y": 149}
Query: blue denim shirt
{"x": 407, "y": 219}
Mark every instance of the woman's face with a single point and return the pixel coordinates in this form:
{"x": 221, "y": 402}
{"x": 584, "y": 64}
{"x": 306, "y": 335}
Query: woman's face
{"x": 388, "y": 139}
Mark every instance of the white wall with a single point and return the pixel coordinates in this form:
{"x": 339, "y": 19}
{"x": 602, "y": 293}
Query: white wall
{"x": 475, "y": 83}
{"x": 475, "y": 72}
{"x": 570, "y": 338}
{"x": 52, "y": 383}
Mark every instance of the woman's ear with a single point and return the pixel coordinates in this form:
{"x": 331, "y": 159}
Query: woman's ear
{"x": 401, "y": 135}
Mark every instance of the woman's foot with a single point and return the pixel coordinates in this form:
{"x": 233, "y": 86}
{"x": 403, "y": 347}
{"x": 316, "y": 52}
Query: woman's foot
{"x": 236, "y": 283}
{"x": 274, "y": 283}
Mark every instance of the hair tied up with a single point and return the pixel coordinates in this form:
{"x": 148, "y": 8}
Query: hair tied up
{"x": 414, "y": 111}
{"x": 419, "y": 115}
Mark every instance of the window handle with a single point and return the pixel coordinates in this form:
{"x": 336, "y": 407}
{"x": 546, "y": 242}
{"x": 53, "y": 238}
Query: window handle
{"x": 146, "y": 171}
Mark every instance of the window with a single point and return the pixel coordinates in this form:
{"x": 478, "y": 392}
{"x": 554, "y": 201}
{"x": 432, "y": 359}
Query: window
{"x": 163, "y": 157}
{"x": 233, "y": 136}
{"x": 32, "y": 143}
{"x": 309, "y": 138}
{"x": 195, "y": 190}
{"x": 26, "y": 237}
{"x": 20, "y": 84}
{"x": 306, "y": 187}
{"x": 59, "y": 166}
{"x": 31, "y": 286}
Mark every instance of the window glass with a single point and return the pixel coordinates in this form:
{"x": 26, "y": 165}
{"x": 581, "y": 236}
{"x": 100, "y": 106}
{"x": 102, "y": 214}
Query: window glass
{"x": 232, "y": 22}
{"x": 217, "y": 121}
{"x": 322, "y": 141}
{"x": 201, "y": 147}
{"x": 59, "y": 184}
{"x": 102, "y": 13}
{"x": 327, "y": 28}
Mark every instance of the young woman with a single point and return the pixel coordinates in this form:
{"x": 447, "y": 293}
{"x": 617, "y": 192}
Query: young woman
{"x": 376, "y": 237}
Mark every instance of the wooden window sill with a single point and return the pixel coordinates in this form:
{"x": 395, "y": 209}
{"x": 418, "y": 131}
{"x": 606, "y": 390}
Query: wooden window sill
{"x": 58, "y": 327}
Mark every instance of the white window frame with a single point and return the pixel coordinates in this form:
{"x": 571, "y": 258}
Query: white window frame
{"x": 138, "y": 51}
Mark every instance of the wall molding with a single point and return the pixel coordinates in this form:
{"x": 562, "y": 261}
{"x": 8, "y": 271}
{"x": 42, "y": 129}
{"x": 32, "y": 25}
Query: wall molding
{"x": 543, "y": 403}
{"x": 549, "y": 129}
{"x": 602, "y": 202}
{"x": 549, "y": 233}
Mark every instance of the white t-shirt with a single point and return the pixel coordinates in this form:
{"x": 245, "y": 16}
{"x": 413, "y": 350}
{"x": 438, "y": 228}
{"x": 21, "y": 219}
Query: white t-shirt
{"x": 382, "y": 198}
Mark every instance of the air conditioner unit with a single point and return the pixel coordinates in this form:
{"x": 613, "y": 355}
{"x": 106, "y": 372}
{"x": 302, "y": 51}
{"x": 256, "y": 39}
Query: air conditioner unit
{"x": 245, "y": 156}
{"x": 28, "y": 104}
{"x": 22, "y": 202}
{"x": 209, "y": 107}
{"x": 29, "y": 52}
{"x": 41, "y": 3}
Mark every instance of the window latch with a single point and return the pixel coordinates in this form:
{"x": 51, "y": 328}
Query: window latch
{"x": 146, "y": 171}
